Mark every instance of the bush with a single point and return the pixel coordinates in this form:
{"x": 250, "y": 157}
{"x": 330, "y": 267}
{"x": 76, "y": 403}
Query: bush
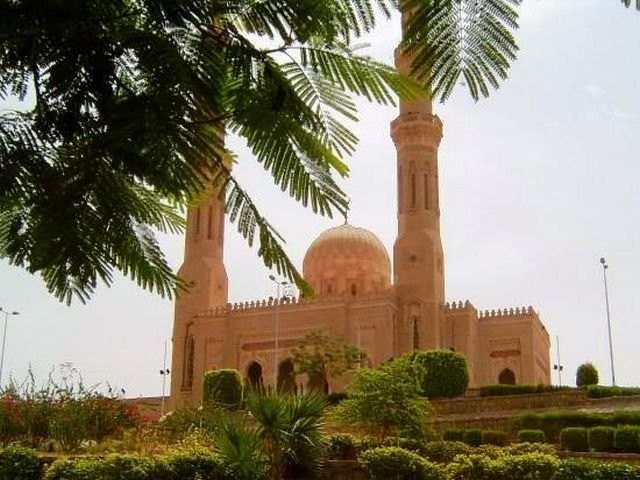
{"x": 444, "y": 451}
{"x": 553, "y": 422}
{"x": 530, "y": 466}
{"x": 602, "y": 439}
{"x": 589, "y": 470}
{"x": 180, "y": 423}
{"x": 396, "y": 463}
{"x": 531, "y": 436}
{"x": 598, "y": 391}
{"x": 472, "y": 437}
{"x": 335, "y": 398}
{"x": 222, "y": 388}
{"x": 587, "y": 374}
{"x": 494, "y": 437}
{"x": 627, "y": 439}
{"x": 502, "y": 390}
{"x": 341, "y": 446}
{"x": 522, "y": 448}
{"x": 199, "y": 464}
{"x": 475, "y": 467}
{"x": 446, "y": 373}
{"x": 574, "y": 439}
{"x": 19, "y": 463}
{"x": 454, "y": 435}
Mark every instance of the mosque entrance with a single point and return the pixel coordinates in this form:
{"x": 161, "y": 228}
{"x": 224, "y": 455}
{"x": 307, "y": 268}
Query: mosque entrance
{"x": 507, "y": 377}
{"x": 254, "y": 377}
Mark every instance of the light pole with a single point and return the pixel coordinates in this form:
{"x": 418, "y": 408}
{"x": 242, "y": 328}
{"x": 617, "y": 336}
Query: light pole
{"x": 558, "y": 366}
{"x": 603, "y": 262}
{"x": 4, "y": 338}
{"x": 276, "y": 330}
{"x": 164, "y": 372}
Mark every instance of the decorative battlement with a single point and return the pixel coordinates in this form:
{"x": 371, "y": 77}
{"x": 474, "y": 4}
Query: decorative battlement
{"x": 507, "y": 312}
{"x": 284, "y": 302}
{"x": 453, "y": 306}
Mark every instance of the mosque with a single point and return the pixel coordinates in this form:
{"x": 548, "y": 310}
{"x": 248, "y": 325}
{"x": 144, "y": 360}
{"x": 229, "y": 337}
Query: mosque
{"x": 357, "y": 297}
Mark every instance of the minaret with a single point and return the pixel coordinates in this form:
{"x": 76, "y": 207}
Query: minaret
{"x": 418, "y": 258}
{"x": 203, "y": 269}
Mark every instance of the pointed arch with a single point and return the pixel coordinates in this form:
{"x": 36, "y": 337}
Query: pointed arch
{"x": 286, "y": 377}
{"x": 254, "y": 377}
{"x": 507, "y": 377}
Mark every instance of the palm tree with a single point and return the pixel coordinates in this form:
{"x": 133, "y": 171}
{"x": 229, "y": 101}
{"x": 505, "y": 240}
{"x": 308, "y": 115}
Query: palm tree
{"x": 281, "y": 439}
{"x": 123, "y": 106}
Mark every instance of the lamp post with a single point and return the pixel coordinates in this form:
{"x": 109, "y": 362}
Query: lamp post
{"x": 164, "y": 372}
{"x": 276, "y": 329}
{"x": 4, "y": 338}
{"x": 558, "y": 366}
{"x": 603, "y": 262}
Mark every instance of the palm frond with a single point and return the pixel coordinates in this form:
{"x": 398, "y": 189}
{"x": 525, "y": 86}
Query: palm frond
{"x": 450, "y": 38}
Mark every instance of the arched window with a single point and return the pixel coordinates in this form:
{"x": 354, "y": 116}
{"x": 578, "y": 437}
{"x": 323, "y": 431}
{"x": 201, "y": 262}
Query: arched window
{"x": 286, "y": 377}
{"x": 426, "y": 191}
{"x": 416, "y": 334}
{"x": 210, "y": 223}
{"x": 197, "y": 226}
{"x": 254, "y": 377}
{"x": 189, "y": 354}
{"x": 507, "y": 377}
{"x": 354, "y": 289}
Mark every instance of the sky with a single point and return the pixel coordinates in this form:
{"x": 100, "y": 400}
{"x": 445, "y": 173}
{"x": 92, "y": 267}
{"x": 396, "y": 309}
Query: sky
{"x": 537, "y": 183}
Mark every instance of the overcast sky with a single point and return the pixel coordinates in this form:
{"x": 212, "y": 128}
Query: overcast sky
{"x": 537, "y": 183}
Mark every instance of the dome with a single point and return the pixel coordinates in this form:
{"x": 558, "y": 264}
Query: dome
{"x": 347, "y": 259}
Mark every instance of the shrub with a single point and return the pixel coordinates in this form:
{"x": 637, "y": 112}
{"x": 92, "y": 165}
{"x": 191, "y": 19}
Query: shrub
{"x": 444, "y": 451}
{"x": 223, "y": 388}
{"x": 531, "y": 436}
{"x": 598, "y": 391}
{"x": 446, "y": 373}
{"x": 574, "y": 439}
{"x": 335, "y": 398}
{"x": 502, "y": 389}
{"x": 530, "y": 466}
{"x": 183, "y": 421}
{"x": 589, "y": 470}
{"x": 199, "y": 464}
{"x": 602, "y": 439}
{"x": 453, "y": 435}
{"x": 494, "y": 437}
{"x": 475, "y": 467}
{"x": 587, "y": 374}
{"x": 19, "y": 463}
{"x": 522, "y": 448}
{"x": 472, "y": 437}
{"x": 627, "y": 439}
{"x": 341, "y": 446}
{"x": 392, "y": 462}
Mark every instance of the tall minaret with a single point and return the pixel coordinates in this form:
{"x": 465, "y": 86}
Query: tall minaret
{"x": 203, "y": 269}
{"x": 418, "y": 258}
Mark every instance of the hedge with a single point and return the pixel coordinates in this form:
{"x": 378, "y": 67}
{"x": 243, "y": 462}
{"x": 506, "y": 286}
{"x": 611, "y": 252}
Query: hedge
{"x": 531, "y": 436}
{"x": 499, "y": 390}
{"x": 453, "y": 435}
{"x": 446, "y": 373}
{"x": 574, "y": 439}
{"x": 587, "y": 374}
{"x": 598, "y": 391}
{"x": 386, "y": 463}
{"x": 341, "y": 446}
{"x": 444, "y": 451}
{"x": 589, "y": 470}
{"x": 19, "y": 463}
{"x": 222, "y": 388}
{"x": 553, "y": 422}
{"x": 627, "y": 439}
{"x": 472, "y": 437}
{"x": 494, "y": 437}
{"x": 602, "y": 439}
{"x": 530, "y": 466}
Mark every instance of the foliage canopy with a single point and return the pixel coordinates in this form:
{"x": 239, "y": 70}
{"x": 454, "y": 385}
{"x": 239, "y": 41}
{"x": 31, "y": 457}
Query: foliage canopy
{"x": 124, "y": 105}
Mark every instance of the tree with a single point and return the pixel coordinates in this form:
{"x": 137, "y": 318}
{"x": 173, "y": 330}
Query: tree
{"x": 386, "y": 400}
{"x": 446, "y": 373}
{"x": 131, "y": 99}
{"x": 587, "y": 374}
{"x": 285, "y": 435}
{"x": 321, "y": 356}
{"x": 222, "y": 388}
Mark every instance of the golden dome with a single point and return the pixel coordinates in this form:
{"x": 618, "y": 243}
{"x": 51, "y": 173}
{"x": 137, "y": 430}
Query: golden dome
{"x": 347, "y": 259}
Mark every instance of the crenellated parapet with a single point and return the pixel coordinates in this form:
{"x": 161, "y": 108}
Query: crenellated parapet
{"x": 291, "y": 302}
{"x": 458, "y": 306}
{"x": 508, "y": 312}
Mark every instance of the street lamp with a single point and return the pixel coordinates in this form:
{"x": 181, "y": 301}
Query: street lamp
{"x": 164, "y": 372}
{"x": 558, "y": 366}
{"x": 603, "y": 262}
{"x": 277, "y": 329}
{"x": 4, "y": 338}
